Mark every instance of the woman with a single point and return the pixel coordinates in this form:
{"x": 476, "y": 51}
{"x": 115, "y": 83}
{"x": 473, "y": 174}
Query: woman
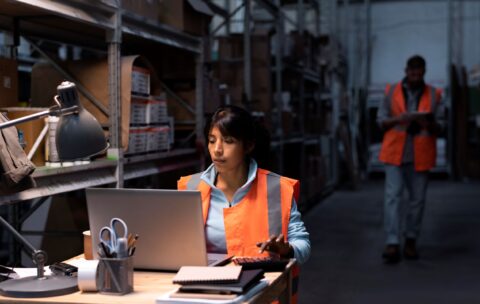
{"x": 247, "y": 211}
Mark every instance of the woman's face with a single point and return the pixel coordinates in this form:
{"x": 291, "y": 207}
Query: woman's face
{"x": 227, "y": 153}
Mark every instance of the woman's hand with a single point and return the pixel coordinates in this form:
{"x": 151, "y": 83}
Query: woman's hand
{"x": 277, "y": 245}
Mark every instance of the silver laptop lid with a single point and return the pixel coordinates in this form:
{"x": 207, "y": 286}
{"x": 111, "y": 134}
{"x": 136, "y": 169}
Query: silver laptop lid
{"x": 169, "y": 223}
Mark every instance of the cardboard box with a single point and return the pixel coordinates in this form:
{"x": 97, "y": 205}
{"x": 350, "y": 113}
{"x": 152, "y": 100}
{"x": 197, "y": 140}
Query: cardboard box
{"x": 138, "y": 110}
{"x": 157, "y": 109}
{"x": 191, "y": 16}
{"x": 93, "y": 75}
{"x": 175, "y": 64}
{"x": 158, "y": 138}
{"x": 231, "y": 47}
{"x": 212, "y": 94}
{"x": 178, "y": 111}
{"x": 31, "y": 130}
{"x": 8, "y": 83}
{"x": 140, "y": 81}
{"x": 149, "y": 9}
{"x": 137, "y": 140}
{"x": 232, "y": 72}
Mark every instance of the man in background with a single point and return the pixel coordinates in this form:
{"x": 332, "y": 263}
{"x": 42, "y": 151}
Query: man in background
{"x": 411, "y": 117}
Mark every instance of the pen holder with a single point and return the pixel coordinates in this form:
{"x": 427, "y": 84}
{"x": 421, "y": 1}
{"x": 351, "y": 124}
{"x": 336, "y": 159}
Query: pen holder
{"x": 115, "y": 276}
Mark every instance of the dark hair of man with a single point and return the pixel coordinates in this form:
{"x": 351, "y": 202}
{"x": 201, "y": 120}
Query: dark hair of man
{"x": 416, "y": 62}
{"x": 237, "y": 122}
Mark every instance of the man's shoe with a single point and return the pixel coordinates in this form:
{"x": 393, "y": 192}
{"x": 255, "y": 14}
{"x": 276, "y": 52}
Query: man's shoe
{"x": 410, "y": 249}
{"x": 391, "y": 255}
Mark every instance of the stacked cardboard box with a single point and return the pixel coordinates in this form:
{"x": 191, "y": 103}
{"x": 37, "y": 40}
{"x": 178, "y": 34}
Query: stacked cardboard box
{"x": 8, "y": 83}
{"x": 149, "y": 9}
{"x": 158, "y": 138}
{"x": 148, "y": 116}
{"x": 191, "y": 16}
{"x": 137, "y": 140}
{"x": 230, "y": 69}
{"x": 139, "y": 97}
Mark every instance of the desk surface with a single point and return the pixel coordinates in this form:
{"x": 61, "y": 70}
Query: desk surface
{"x": 150, "y": 285}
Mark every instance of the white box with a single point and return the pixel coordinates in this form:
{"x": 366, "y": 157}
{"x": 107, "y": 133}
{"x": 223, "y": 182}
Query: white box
{"x": 140, "y": 81}
{"x": 158, "y": 138}
{"x": 138, "y": 110}
{"x": 137, "y": 140}
{"x": 157, "y": 109}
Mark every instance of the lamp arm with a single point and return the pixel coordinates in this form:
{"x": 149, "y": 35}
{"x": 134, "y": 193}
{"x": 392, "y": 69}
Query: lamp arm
{"x": 39, "y": 256}
{"x": 25, "y": 118}
{"x": 66, "y": 111}
{"x": 54, "y": 111}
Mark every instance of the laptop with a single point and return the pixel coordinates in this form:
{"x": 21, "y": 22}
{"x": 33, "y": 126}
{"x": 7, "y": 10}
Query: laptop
{"x": 169, "y": 224}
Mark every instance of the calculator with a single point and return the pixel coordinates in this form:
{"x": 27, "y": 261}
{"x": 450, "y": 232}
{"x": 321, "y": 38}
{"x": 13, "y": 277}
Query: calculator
{"x": 268, "y": 264}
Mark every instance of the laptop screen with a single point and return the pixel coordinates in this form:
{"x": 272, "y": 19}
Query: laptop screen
{"x": 169, "y": 224}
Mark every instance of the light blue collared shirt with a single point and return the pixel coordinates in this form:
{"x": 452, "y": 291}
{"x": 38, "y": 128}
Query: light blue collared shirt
{"x": 298, "y": 236}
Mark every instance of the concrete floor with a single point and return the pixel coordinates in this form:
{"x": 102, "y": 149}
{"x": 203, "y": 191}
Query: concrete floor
{"x": 346, "y": 231}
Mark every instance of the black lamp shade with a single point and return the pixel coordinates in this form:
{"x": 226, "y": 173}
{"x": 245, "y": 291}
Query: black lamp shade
{"x": 78, "y": 135}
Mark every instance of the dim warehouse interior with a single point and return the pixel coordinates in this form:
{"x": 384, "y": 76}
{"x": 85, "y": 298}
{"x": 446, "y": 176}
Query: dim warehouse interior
{"x": 388, "y": 194}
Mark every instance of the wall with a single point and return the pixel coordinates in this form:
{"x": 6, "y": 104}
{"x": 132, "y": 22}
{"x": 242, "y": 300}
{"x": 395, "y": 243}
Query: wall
{"x": 401, "y": 29}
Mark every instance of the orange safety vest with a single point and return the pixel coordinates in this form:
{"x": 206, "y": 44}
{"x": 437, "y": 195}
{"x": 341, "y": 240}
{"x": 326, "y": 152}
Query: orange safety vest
{"x": 424, "y": 143}
{"x": 264, "y": 211}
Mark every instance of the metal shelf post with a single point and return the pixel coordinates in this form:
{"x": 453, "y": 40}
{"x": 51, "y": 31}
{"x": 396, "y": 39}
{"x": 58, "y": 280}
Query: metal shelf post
{"x": 247, "y": 54}
{"x": 114, "y": 39}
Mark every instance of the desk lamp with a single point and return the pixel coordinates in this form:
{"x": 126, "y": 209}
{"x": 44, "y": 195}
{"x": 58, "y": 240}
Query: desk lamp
{"x": 78, "y": 135}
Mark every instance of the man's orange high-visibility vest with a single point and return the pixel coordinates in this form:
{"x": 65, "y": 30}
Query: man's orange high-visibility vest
{"x": 264, "y": 211}
{"x": 424, "y": 143}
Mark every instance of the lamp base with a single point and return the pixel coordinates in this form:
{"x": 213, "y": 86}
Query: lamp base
{"x": 32, "y": 287}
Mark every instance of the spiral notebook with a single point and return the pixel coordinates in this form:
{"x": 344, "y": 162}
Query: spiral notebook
{"x": 204, "y": 274}
{"x": 247, "y": 279}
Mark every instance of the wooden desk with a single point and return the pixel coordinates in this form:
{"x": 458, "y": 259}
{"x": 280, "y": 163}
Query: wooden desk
{"x": 150, "y": 285}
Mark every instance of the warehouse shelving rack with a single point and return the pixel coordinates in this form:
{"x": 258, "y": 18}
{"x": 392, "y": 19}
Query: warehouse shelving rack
{"x": 100, "y": 25}
{"x": 280, "y": 141}
{"x": 87, "y": 23}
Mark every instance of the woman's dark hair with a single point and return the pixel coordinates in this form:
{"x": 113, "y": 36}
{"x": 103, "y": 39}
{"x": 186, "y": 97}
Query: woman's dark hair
{"x": 239, "y": 123}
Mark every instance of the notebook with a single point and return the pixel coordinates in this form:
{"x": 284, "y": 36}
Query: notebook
{"x": 174, "y": 297}
{"x": 198, "y": 274}
{"x": 247, "y": 279}
{"x": 169, "y": 223}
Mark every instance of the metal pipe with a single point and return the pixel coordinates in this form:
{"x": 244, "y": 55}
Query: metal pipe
{"x": 226, "y": 21}
{"x": 368, "y": 10}
{"x": 114, "y": 40}
{"x": 199, "y": 94}
{"x": 178, "y": 99}
{"x": 247, "y": 54}
{"x": 301, "y": 16}
{"x": 37, "y": 142}
{"x": 449, "y": 89}
{"x": 25, "y": 119}
{"x": 17, "y": 235}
